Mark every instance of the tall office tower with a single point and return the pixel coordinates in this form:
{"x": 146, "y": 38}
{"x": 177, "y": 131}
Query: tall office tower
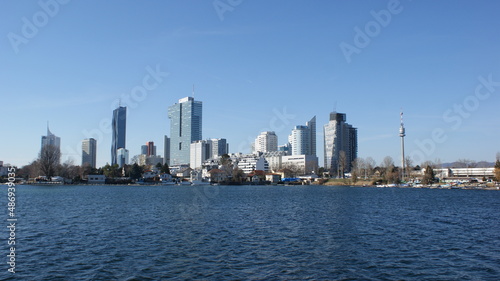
{"x": 119, "y": 126}
{"x": 151, "y": 148}
{"x": 218, "y": 147}
{"x": 89, "y": 152}
{"x": 144, "y": 149}
{"x": 122, "y": 157}
{"x": 266, "y": 142}
{"x": 166, "y": 150}
{"x": 51, "y": 139}
{"x": 303, "y": 139}
{"x": 311, "y": 124}
{"x": 185, "y": 128}
{"x": 341, "y": 144}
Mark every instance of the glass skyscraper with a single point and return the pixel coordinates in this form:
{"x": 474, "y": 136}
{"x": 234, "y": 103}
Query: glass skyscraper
{"x": 119, "y": 126}
{"x": 341, "y": 144}
{"x": 51, "y": 139}
{"x": 185, "y": 128}
{"x": 89, "y": 152}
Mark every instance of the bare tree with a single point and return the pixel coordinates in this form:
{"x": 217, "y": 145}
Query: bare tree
{"x": 387, "y": 162}
{"x": 48, "y": 160}
{"x": 342, "y": 163}
{"x": 369, "y": 166}
{"x": 29, "y": 171}
{"x": 409, "y": 166}
{"x": 358, "y": 168}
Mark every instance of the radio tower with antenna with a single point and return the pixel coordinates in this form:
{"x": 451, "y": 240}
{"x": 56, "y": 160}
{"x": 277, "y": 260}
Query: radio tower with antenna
{"x": 402, "y": 135}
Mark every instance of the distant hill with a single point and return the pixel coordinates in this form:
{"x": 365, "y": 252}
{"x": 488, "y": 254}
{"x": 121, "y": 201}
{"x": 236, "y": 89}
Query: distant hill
{"x": 481, "y": 164}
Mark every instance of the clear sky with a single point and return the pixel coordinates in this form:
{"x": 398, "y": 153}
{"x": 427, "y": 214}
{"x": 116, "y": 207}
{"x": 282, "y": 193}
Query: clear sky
{"x": 256, "y": 65}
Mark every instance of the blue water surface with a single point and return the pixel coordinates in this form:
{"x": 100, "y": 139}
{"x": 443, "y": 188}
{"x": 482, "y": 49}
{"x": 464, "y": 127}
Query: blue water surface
{"x": 252, "y": 233}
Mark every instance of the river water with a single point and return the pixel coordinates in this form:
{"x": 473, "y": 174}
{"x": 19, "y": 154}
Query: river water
{"x": 252, "y": 233}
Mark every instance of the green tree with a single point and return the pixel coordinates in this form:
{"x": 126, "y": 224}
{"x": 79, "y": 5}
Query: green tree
{"x": 111, "y": 171}
{"x": 136, "y": 171}
{"x": 165, "y": 169}
{"x": 428, "y": 175}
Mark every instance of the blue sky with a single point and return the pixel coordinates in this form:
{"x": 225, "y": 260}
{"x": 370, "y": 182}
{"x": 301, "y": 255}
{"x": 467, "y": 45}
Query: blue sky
{"x": 256, "y": 65}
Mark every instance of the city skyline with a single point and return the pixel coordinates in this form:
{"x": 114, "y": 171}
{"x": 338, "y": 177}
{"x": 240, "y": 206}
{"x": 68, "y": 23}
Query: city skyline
{"x": 259, "y": 68}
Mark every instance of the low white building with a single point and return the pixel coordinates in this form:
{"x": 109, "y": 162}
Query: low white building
{"x": 464, "y": 173}
{"x": 251, "y": 163}
{"x": 96, "y": 179}
{"x": 305, "y": 164}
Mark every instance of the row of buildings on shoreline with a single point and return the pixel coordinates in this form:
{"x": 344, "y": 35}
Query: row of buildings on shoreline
{"x": 185, "y": 147}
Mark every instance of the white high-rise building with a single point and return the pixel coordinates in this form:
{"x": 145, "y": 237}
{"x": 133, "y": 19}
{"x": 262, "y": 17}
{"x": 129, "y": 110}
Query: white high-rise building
{"x": 199, "y": 153}
{"x": 206, "y": 149}
{"x": 266, "y": 142}
{"x": 303, "y": 139}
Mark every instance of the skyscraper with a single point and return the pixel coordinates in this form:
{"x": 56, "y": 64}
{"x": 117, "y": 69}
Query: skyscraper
{"x": 303, "y": 139}
{"x": 89, "y": 152}
{"x": 166, "y": 150}
{"x": 119, "y": 126}
{"x": 218, "y": 147}
{"x": 341, "y": 144}
{"x": 122, "y": 157}
{"x": 185, "y": 128}
{"x": 151, "y": 148}
{"x": 52, "y": 140}
{"x": 266, "y": 142}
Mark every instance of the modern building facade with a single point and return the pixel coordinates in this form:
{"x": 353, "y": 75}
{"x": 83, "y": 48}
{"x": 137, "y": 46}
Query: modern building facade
{"x": 266, "y": 142}
{"x": 252, "y": 163}
{"x": 119, "y": 127}
{"x": 303, "y": 164}
{"x": 52, "y": 140}
{"x": 340, "y": 144}
{"x": 89, "y": 152}
{"x": 185, "y": 128}
{"x": 151, "y": 148}
{"x": 218, "y": 147}
{"x": 204, "y": 150}
{"x": 166, "y": 150}
{"x": 200, "y": 152}
{"x": 303, "y": 139}
{"x": 122, "y": 157}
